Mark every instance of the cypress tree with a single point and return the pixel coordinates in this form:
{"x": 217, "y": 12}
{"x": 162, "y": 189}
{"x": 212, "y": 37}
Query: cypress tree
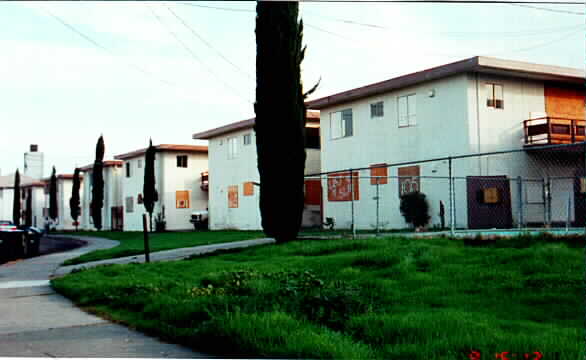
{"x": 149, "y": 192}
{"x": 16, "y": 201}
{"x": 53, "y": 210}
{"x": 98, "y": 185}
{"x": 280, "y": 118}
{"x": 74, "y": 201}
{"x": 28, "y": 215}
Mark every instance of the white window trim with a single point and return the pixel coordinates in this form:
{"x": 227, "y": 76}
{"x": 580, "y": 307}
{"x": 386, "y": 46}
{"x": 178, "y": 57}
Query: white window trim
{"x": 411, "y": 117}
{"x": 342, "y": 124}
{"x": 383, "y": 109}
{"x": 232, "y": 143}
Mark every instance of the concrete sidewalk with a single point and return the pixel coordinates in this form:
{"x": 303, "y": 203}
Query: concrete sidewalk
{"x": 166, "y": 255}
{"x": 37, "y": 322}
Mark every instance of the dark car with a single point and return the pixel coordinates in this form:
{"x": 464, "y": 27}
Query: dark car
{"x": 18, "y": 241}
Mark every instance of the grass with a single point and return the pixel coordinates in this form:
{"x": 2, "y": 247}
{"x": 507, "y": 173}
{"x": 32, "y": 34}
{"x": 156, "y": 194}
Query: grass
{"x": 390, "y": 298}
{"x": 132, "y": 242}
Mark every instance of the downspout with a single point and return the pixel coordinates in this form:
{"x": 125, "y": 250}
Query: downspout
{"x": 478, "y": 124}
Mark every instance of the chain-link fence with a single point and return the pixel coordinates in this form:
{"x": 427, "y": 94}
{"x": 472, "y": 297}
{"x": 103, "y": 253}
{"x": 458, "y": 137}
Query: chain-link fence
{"x": 537, "y": 187}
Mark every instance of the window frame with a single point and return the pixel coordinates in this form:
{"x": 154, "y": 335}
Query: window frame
{"x": 232, "y": 143}
{"x": 409, "y": 118}
{"x": 245, "y": 137}
{"x": 491, "y": 95}
{"x": 181, "y": 163}
{"x": 374, "y": 106}
{"x": 345, "y": 130}
{"x": 128, "y": 172}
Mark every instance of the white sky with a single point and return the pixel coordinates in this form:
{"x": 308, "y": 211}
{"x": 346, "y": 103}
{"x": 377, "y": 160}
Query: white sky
{"x": 133, "y": 79}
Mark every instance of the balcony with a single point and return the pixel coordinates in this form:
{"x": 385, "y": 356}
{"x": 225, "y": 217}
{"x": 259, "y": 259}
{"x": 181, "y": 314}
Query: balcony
{"x": 204, "y": 181}
{"x": 553, "y": 130}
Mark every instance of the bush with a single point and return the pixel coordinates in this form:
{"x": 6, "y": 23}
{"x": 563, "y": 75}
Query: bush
{"x": 415, "y": 209}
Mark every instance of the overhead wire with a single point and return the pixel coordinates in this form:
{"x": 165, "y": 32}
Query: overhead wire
{"x": 549, "y": 9}
{"x": 196, "y": 58}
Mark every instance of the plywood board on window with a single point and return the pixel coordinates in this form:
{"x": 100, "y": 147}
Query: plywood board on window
{"x": 491, "y": 195}
{"x": 379, "y": 170}
{"x": 564, "y": 102}
{"x": 248, "y": 188}
{"x": 313, "y": 192}
{"x": 233, "y": 196}
{"x": 340, "y": 188}
{"x": 182, "y": 199}
{"x": 409, "y": 179}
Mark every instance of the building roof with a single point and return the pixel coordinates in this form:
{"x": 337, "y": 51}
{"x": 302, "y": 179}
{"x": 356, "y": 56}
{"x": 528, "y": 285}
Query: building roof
{"x": 477, "y": 64}
{"x": 165, "y": 147}
{"x": 62, "y": 177}
{"x": 7, "y": 181}
{"x": 107, "y": 163}
{"x": 312, "y": 117}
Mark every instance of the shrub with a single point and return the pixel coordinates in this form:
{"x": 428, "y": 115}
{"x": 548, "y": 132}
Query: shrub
{"x": 415, "y": 209}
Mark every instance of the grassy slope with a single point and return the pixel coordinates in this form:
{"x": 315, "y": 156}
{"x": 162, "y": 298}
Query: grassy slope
{"x": 132, "y": 242}
{"x": 379, "y": 298}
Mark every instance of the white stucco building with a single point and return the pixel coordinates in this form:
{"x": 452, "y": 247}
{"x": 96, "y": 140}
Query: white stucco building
{"x": 28, "y": 187}
{"x": 472, "y": 106}
{"x": 233, "y": 173}
{"x": 64, "y": 220}
{"x": 112, "y": 211}
{"x": 178, "y": 174}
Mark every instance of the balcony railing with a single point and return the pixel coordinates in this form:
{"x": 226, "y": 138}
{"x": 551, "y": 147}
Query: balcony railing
{"x": 204, "y": 181}
{"x": 553, "y": 130}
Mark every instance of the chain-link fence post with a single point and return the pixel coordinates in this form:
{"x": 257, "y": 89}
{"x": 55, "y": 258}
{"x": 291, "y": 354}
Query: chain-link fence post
{"x": 520, "y": 202}
{"x": 352, "y": 203}
{"x": 452, "y": 202}
{"x": 377, "y": 204}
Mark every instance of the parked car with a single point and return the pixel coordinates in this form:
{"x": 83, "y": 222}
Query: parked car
{"x": 18, "y": 241}
{"x": 199, "y": 219}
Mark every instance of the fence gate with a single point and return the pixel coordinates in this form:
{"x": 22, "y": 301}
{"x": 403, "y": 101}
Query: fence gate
{"x": 489, "y": 202}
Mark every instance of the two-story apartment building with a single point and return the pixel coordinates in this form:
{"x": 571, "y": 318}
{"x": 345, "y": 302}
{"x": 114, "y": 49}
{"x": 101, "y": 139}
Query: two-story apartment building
{"x": 29, "y": 188}
{"x": 64, "y": 220}
{"x": 234, "y": 178}
{"x": 112, "y": 211}
{"x": 178, "y": 177}
{"x": 476, "y": 105}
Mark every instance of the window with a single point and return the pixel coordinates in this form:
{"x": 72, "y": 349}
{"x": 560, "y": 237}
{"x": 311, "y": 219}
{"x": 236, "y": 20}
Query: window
{"x": 182, "y": 161}
{"x": 494, "y": 96}
{"x": 232, "y": 147}
{"x": 247, "y": 139}
{"x": 128, "y": 169}
{"x": 139, "y": 199}
{"x": 377, "y": 109}
{"x": 182, "y": 199}
{"x": 341, "y": 124}
{"x": 139, "y": 164}
{"x": 233, "y": 196}
{"x": 248, "y": 189}
{"x": 129, "y": 204}
{"x": 407, "y": 113}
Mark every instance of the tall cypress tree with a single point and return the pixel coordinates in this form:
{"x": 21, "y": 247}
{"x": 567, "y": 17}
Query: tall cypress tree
{"x": 280, "y": 118}
{"x": 53, "y": 210}
{"x": 149, "y": 192}
{"x": 16, "y": 201}
{"x": 28, "y": 214}
{"x": 74, "y": 200}
{"x": 98, "y": 185}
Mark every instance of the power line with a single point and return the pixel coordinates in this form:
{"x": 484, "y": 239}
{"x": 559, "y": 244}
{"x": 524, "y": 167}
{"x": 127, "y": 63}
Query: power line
{"x": 208, "y": 44}
{"x": 100, "y": 46}
{"x": 196, "y": 58}
{"x": 565, "y": 36}
{"x": 550, "y": 10}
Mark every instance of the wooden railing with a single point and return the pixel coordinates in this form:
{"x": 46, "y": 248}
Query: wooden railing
{"x": 553, "y": 130}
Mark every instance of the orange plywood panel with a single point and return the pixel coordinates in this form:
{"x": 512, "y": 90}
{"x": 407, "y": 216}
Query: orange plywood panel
{"x": 313, "y": 192}
{"x": 182, "y": 199}
{"x": 409, "y": 179}
{"x": 248, "y": 188}
{"x": 377, "y": 170}
{"x": 564, "y": 102}
{"x": 340, "y": 188}
{"x": 233, "y": 196}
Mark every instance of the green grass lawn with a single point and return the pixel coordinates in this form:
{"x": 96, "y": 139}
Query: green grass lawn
{"x": 132, "y": 242}
{"x": 391, "y": 298}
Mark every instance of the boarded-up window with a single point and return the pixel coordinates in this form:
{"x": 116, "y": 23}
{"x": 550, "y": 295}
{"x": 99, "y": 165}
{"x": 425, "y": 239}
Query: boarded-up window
{"x": 408, "y": 179}
{"x": 340, "y": 188}
{"x": 491, "y": 196}
{"x": 248, "y": 188}
{"x": 233, "y": 196}
{"x": 564, "y": 102}
{"x": 313, "y": 192}
{"x": 129, "y": 204}
{"x": 182, "y": 199}
{"x": 379, "y": 170}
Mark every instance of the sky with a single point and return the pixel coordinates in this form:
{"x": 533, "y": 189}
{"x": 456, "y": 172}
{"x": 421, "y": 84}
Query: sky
{"x": 130, "y": 71}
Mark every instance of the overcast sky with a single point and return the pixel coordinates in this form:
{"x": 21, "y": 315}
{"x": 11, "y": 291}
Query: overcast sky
{"x": 132, "y": 70}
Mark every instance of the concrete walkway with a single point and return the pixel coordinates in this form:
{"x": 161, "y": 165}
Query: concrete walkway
{"x": 37, "y": 322}
{"x": 166, "y": 255}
